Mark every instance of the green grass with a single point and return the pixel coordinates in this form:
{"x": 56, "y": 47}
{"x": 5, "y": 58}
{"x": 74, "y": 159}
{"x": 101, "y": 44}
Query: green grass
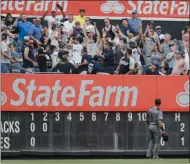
{"x": 102, "y": 161}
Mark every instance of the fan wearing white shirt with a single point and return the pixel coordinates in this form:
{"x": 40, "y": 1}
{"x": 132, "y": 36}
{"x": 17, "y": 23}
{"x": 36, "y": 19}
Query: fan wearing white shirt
{"x": 5, "y": 55}
{"x": 88, "y": 26}
{"x": 70, "y": 23}
{"x": 77, "y": 47}
{"x": 53, "y": 19}
{"x": 91, "y": 38}
{"x": 135, "y": 54}
{"x": 187, "y": 59}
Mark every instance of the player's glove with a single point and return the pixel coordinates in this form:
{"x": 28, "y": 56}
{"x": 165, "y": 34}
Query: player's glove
{"x": 165, "y": 136}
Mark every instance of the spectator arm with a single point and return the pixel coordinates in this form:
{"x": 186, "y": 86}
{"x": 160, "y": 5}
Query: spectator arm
{"x": 145, "y": 33}
{"x": 63, "y": 14}
{"x": 102, "y": 56}
{"x": 15, "y": 22}
{"x": 4, "y": 54}
{"x": 10, "y": 34}
{"x": 130, "y": 72}
{"x": 148, "y": 45}
{"x": 85, "y": 37}
{"x": 42, "y": 18}
{"x": 70, "y": 33}
{"x": 118, "y": 67}
{"x": 97, "y": 32}
{"x": 55, "y": 68}
{"x": 121, "y": 33}
{"x": 103, "y": 33}
{"x": 75, "y": 66}
{"x": 32, "y": 37}
{"x": 140, "y": 31}
{"x": 84, "y": 63}
{"x": 114, "y": 30}
{"x": 139, "y": 50}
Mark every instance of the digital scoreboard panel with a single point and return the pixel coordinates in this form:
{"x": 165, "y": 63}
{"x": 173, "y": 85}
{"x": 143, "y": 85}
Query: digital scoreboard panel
{"x": 58, "y": 132}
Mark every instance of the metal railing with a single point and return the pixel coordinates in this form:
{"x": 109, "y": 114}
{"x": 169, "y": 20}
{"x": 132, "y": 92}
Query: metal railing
{"x": 25, "y": 70}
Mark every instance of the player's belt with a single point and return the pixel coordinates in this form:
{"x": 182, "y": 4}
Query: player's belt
{"x": 153, "y": 123}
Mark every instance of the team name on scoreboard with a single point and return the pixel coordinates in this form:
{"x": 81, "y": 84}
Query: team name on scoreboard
{"x": 8, "y": 127}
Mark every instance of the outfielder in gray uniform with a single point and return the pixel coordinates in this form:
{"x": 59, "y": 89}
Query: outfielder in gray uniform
{"x": 154, "y": 121}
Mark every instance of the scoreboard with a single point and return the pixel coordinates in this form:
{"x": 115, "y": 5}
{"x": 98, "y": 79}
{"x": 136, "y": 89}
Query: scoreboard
{"x": 89, "y": 132}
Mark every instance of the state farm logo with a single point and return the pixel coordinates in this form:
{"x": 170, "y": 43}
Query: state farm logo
{"x": 182, "y": 98}
{"x": 3, "y": 98}
{"x": 112, "y": 6}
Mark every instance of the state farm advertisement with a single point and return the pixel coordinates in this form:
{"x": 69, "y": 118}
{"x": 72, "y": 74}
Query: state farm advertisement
{"x": 101, "y": 9}
{"x": 93, "y": 93}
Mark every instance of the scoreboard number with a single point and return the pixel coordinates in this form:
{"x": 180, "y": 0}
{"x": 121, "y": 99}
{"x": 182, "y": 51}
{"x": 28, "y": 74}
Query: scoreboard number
{"x": 45, "y": 114}
{"x": 130, "y": 116}
{"x": 32, "y": 141}
{"x": 118, "y": 117}
{"x": 106, "y": 115}
{"x": 69, "y": 117}
{"x": 182, "y": 129}
{"x": 93, "y": 116}
{"x": 81, "y": 116}
{"x": 44, "y": 127}
{"x": 32, "y": 127}
{"x": 57, "y": 116}
{"x": 142, "y": 116}
{"x": 32, "y": 116}
{"x": 162, "y": 142}
{"x": 183, "y": 141}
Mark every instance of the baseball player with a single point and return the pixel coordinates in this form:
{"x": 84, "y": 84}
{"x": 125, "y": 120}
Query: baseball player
{"x": 154, "y": 121}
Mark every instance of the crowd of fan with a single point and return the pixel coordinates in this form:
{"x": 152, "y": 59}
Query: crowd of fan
{"x": 74, "y": 45}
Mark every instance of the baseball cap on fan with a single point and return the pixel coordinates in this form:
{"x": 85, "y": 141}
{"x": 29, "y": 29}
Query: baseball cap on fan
{"x": 155, "y": 64}
{"x": 134, "y": 12}
{"x": 158, "y": 27}
{"x": 161, "y": 37}
{"x": 26, "y": 38}
{"x": 172, "y": 43}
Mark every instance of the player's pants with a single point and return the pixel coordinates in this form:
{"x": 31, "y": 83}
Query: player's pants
{"x": 154, "y": 145}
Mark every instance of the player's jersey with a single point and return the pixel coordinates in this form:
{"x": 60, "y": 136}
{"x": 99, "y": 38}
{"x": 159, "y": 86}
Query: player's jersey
{"x": 154, "y": 114}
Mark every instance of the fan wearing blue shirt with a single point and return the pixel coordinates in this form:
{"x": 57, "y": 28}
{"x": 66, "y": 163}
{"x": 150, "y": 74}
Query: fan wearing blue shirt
{"x": 125, "y": 29}
{"x": 23, "y": 27}
{"x": 134, "y": 22}
{"x": 36, "y": 30}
